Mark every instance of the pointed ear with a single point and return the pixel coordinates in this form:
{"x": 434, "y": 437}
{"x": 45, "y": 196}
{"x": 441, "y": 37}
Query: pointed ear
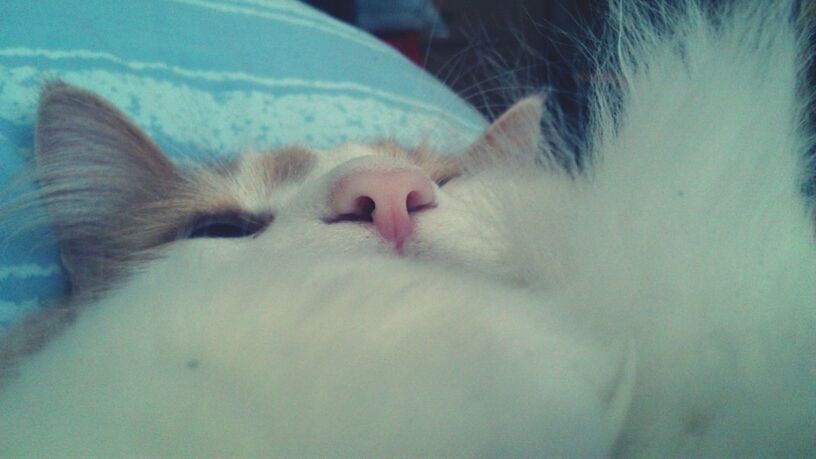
{"x": 515, "y": 134}
{"x": 99, "y": 176}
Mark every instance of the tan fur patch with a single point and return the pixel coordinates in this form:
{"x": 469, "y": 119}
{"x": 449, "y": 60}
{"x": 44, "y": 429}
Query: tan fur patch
{"x": 290, "y": 164}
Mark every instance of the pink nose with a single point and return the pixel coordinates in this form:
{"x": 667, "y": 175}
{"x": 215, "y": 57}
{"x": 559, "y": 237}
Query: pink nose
{"x": 386, "y": 198}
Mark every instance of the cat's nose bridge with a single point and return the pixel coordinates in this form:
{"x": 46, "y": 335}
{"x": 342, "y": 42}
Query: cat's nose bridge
{"x": 386, "y": 198}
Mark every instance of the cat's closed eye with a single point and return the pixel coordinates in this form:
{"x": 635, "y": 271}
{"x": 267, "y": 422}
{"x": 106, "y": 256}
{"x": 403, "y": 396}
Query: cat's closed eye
{"x": 445, "y": 177}
{"x": 226, "y": 225}
{"x": 442, "y": 181}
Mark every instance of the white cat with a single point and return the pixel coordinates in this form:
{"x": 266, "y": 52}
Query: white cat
{"x": 377, "y": 301}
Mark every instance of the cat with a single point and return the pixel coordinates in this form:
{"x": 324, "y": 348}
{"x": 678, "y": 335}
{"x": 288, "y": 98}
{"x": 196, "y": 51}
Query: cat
{"x": 375, "y": 300}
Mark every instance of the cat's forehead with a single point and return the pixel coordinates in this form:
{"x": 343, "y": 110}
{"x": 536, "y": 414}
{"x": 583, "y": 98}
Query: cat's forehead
{"x": 293, "y": 163}
{"x": 260, "y": 182}
{"x": 349, "y": 151}
{"x": 276, "y": 167}
{"x": 250, "y": 180}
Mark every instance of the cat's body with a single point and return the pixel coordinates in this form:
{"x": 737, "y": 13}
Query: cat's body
{"x": 660, "y": 303}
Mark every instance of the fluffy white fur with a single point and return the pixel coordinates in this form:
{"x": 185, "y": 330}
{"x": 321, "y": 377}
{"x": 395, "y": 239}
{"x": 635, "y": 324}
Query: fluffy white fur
{"x": 660, "y": 304}
{"x": 316, "y": 357}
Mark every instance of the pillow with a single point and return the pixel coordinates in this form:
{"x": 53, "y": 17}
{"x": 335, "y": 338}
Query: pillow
{"x": 205, "y": 78}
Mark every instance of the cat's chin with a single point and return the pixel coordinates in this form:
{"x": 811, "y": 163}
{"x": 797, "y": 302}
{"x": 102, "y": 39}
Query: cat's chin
{"x": 236, "y": 350}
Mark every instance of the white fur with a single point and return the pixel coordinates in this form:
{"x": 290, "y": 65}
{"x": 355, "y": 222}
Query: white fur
{"x": 685, "y": 256}
{"x": 313, "y": 356}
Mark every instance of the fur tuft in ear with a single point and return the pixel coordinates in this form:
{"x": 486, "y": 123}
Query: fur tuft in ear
{"x": 100, "y": 177}
{"x": 516, "y": 134}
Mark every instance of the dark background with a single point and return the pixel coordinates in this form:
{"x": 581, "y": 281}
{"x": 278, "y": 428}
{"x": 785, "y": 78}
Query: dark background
{"x": 494, "y": 45}
{"x": 525, "y": 44}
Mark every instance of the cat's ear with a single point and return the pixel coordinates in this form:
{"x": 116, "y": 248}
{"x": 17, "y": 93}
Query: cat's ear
{"x": 515, "y": 134}
{"x": 99, "y": 175}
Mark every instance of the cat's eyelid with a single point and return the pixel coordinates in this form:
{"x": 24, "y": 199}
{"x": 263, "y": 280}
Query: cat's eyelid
{"x": 443, "y": 181}
{"x": 229, "y": 224}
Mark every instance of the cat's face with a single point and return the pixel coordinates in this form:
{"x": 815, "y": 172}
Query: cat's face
{"x": 116, "y": 200}
{"x": 264, "y": 304}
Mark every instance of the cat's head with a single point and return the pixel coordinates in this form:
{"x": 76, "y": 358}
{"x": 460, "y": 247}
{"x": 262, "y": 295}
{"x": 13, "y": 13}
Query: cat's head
{"x": 116, "y": 200}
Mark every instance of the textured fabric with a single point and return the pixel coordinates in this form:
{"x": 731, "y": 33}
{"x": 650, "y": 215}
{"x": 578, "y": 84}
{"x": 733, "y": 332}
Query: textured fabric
{"x": 205, "y": 78}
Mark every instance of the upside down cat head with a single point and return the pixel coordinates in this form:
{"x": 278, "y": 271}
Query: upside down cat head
{"x": 296, "y": 302}
{"x": 116, "y": 199}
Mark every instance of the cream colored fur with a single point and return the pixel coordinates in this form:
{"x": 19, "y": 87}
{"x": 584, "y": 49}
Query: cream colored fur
{"x": 658, "y": 304}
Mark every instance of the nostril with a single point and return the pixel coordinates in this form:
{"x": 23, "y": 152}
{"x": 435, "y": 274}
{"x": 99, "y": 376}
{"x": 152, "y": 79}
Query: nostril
{"x": 415, "y": 201}
{"x": 364, "y": 207}
{"x": 420, "y": 196}
{"x": 362, "y": 211}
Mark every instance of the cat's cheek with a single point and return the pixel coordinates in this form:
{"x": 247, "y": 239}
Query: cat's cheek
{"x": 455, "y": 237}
